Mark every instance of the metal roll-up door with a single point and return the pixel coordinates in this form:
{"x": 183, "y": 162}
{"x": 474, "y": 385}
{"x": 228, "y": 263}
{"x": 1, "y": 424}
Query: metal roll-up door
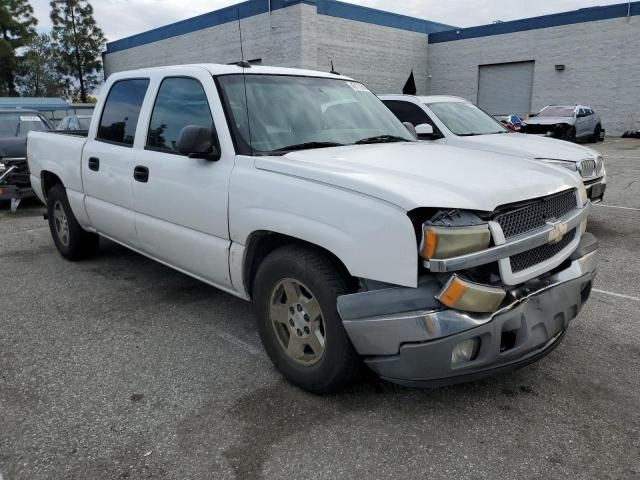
{"x": 506, "y": 88}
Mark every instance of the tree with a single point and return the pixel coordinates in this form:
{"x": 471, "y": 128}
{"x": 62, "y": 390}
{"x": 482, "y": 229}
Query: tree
{"x": 38, "y": 72}
{"x": 79, "y": 43}
{"x": 17, "y": 28}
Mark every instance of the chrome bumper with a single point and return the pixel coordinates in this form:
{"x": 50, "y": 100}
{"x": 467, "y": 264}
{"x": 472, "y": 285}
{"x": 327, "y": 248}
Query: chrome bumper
{"x": 409, "y": 316}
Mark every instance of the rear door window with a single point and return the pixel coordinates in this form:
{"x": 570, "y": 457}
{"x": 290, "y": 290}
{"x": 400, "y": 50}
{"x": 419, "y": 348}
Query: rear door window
{"x": 181, "y": 101}
{"x": 121, "y": 111}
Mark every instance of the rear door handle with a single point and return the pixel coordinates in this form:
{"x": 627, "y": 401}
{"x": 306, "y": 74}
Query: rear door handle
{"x": 94, "y": 164}
{"x": 141, "y": 174}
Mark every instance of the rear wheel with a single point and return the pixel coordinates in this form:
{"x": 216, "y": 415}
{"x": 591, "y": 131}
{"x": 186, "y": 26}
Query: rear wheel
{"x": 295, "y": 294}
{"x": 71, "y": 240}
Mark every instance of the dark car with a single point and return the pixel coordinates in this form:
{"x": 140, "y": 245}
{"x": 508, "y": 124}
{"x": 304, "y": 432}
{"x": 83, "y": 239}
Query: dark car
{"x": 15, "y": 124}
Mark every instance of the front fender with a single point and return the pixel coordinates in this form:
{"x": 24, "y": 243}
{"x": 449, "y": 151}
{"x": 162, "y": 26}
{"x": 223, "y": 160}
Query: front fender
{"x": 372, "y": 238}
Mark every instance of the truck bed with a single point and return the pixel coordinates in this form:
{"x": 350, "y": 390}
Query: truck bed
{"x": 59, "y": 152}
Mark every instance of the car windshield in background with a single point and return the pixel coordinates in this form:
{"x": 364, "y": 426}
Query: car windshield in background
{"x": 84, "y": 123}
{"x": 287, "y": 113}
{"x": 465, "y": 119}
{"x": 20, "y": 124}
{"x": 557, "y": 112}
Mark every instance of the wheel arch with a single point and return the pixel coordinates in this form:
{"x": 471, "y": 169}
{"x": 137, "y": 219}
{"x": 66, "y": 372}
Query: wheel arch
{"x": 49, "y": 179}
{"x": 261, "y": 243}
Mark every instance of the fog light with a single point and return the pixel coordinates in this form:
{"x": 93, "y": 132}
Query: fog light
{"x": 465, "y": 351}
{"x": 470, "y": 297}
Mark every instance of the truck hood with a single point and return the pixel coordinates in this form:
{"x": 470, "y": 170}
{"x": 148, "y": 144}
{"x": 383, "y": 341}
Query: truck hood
{"x": 550, "y": 120}
{"x": 415, "y": 174}
{"x": 13, "y": 147}
{"x": 528, "y": 146}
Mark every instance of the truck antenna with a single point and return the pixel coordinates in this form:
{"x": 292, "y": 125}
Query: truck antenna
{"x": 244, "y": 65}
{"x": 333, "y": 70}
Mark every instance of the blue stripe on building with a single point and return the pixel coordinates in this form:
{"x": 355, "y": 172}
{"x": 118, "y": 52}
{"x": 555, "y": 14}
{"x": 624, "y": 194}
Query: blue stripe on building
{"x": 252, "y": 8}
{"x": 566, "y": 18}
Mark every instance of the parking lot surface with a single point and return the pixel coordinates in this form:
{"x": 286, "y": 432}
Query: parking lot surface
{"x": 118, "y": 367}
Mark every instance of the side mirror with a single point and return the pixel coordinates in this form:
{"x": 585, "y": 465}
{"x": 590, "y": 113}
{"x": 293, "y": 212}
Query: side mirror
{"x": 412, "y": 130}
{"x": 425, "y": 131}
{"x": 198, "y": 142}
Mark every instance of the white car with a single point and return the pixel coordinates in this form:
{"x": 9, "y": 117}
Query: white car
{"x": 458, "y": 122}
{"x": 301, "y": 192}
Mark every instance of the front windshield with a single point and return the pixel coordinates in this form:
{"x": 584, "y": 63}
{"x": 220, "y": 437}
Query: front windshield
{"x": 20, "y": 124}
{"x": 465, "y": 119}
{"x": 288, "y": 113}
{"x": 557, "y": 112}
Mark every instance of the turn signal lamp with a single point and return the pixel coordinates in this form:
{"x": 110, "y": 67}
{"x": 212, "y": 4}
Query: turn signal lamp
{"x": 467, "y": 296}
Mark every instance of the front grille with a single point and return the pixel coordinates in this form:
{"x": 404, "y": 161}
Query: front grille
{"x": 528, "y": 259}
{"x": 536, "y": 214}
{"x": 587, "y": 167}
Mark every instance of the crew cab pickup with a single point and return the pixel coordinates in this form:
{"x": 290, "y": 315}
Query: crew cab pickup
{"x": 301, "y": 192}
{"x": 458, "y": 122}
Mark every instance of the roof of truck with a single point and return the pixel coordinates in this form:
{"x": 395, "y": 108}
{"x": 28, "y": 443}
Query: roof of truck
{"x": 219, "y": 69}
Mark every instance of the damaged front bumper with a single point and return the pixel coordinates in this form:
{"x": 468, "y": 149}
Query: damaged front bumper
{"x": 406, "y": 337}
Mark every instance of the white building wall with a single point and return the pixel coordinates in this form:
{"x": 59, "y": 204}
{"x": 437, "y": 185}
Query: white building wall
{"x": 601, "y": 58}
{"x": 381, "y": 57}
{"x": 221, "y": 44}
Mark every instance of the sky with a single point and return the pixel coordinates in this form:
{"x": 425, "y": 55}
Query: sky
{"x": 122, "y": 18}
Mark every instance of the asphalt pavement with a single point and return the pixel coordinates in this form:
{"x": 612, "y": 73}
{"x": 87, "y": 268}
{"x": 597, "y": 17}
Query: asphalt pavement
{"x": 118, "y": 367}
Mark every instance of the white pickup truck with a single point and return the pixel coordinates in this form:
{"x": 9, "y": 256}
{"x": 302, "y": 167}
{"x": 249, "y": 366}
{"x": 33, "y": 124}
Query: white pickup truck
{"x": 301, "y": 192}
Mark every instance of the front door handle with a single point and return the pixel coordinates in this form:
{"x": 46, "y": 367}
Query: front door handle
{"x": 141, "y": 174}
{"x": 94, "y": 164}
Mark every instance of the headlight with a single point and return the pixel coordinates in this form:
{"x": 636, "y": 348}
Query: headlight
{"x": 583, "y": 195}
{"x": 599, "y": 165}
{"x": 447, "y": 242}
{"x": 562, "y": 163}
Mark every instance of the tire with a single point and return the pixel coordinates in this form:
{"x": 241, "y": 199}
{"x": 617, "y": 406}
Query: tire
{"x": 596, "y": 134}
{"x": 570, "y": 135}
{"x": 71, "y": 240}
{"x": 287, "y": 318}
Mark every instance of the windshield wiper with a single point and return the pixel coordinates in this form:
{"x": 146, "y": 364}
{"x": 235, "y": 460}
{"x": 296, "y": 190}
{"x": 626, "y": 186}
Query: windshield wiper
{"x": 382, "y": 139}
{"x": 308, "y": 146}
{"x": 478, "y": 134}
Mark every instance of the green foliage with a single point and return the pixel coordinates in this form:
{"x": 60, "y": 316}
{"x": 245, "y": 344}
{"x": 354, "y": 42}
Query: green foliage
{"x": 38, "y": 73}
{"x": 79, "y": 44}
{"x": 17, "y": 28}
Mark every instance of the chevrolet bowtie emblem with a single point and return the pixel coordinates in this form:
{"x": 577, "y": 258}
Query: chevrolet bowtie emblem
{"x": 558, "y": 232}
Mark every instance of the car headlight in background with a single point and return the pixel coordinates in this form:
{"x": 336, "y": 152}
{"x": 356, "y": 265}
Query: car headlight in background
{"x": 447, "y": 242}
{"x": 562, "y": 163}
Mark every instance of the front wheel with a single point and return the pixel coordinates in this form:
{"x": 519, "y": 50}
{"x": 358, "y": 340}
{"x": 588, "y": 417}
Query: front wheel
{"x": 71, "y": 240}
{"x": 596, "y": 134}
{"x": 295, "y": 294}
{"x": 570, "y": 135}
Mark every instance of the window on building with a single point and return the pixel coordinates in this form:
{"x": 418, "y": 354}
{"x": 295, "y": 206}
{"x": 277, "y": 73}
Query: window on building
{"x": 121, "y": 111}
{"x": 180, "y": 102}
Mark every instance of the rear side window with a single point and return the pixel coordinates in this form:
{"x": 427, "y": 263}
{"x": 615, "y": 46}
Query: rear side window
{"x": 121, "y": 111}
{"x": 408, "y": 112}
{"x": 180, "y": 102}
